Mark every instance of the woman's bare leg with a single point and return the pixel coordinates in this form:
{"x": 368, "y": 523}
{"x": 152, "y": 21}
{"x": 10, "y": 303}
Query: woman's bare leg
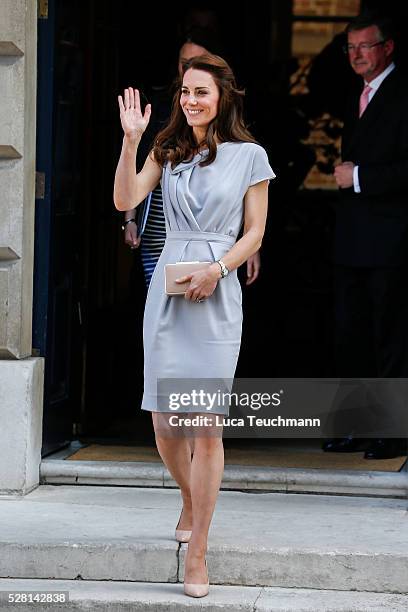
{"x": 176, "y": 453}
{"x": 206, "y": 475}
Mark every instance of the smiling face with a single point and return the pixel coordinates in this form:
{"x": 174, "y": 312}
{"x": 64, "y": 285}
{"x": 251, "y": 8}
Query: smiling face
{"x": 199, "y": 100}
{"x": 372, "y": 61}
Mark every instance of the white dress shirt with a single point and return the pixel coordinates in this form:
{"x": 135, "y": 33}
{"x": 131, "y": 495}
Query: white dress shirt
{"x": 374, "y": 84}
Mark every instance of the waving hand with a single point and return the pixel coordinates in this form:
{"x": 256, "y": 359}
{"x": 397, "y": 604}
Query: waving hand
{"x": 133, "y": 121}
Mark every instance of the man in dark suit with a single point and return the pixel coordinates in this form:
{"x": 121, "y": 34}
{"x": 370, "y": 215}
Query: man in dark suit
{"x": 371, "y": 235}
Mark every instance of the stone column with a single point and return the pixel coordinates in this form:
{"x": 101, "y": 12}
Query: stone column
{"x": 21, "y": 376}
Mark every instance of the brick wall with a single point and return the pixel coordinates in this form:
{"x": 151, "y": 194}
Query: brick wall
{"x": 321, "y": 8}
{"x": 308, "y": 39}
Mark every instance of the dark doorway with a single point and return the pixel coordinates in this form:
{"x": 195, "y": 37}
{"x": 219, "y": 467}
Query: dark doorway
{"x": 57, "y": 313}
{"x": 89, "y": 287}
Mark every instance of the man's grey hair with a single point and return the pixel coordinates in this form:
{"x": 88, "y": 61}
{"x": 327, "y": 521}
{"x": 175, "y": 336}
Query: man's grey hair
{"x": 367, "y": 19}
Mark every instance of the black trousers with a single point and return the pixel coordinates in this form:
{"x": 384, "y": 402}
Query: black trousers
{"x": 371, "y": 322}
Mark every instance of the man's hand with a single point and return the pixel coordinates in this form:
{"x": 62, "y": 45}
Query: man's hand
{"x": 253, "y": 267}
{"x": 343, "y": 173}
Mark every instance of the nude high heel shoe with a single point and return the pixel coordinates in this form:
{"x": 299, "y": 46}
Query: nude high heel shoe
{"x": 182, "y": 535}
{"x": 198, "y": 590}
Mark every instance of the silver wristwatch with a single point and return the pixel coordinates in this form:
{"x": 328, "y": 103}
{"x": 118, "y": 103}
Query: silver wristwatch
{"x": 224, "y": 269}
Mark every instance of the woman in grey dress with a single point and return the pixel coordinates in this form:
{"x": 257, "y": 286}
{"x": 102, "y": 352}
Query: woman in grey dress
{"x": 151, "y": 238}
{"x": 214, "y": 179}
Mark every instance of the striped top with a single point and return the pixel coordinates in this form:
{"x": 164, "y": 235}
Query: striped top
{"x": 154, "y": 234}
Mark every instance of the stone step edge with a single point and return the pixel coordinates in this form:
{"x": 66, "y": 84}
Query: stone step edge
{"x": 124, "y": 596}
{"x": 395, "y": 484}
{"x": 280, "y": 568}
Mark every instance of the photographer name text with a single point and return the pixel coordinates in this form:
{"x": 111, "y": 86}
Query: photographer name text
{"x": 253, "y": 421}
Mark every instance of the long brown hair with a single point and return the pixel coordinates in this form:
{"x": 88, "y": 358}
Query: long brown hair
{"x": 176, "y": 142}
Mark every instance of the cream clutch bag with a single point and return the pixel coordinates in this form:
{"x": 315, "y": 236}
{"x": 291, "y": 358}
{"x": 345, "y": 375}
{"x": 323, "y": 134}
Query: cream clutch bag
{"x": 177, "y": 270}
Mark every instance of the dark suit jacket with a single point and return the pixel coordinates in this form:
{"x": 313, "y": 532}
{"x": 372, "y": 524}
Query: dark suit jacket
{"x": 372, "y": 226}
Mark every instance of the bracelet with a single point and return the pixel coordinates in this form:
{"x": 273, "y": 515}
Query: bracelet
{"x": 128, "y": 221}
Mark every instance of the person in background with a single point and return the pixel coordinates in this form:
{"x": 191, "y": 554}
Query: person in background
{"x": 371, "y": 232}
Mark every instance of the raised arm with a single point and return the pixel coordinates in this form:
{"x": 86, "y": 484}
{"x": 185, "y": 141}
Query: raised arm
{"x": 131, "y": 187}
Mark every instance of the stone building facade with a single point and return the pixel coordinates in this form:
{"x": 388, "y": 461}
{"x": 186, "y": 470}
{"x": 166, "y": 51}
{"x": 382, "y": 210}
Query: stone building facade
{"x": 21, "y": 374}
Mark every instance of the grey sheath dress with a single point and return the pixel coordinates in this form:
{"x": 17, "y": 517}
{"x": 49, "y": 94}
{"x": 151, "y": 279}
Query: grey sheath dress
{"x": 204, "y": 212}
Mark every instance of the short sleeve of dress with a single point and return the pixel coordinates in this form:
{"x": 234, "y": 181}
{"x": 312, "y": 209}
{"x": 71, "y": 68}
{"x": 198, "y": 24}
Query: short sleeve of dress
{"x": 261, "y": 170}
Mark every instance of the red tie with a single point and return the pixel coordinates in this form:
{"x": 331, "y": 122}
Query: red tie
{"x": 364, "y": 99}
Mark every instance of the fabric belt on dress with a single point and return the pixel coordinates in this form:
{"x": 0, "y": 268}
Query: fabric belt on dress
{"x": 200, "y": 236}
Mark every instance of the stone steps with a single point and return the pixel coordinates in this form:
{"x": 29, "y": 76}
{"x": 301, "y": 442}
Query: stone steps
{"x": 236, "y": 477}
{"x": 100, "y": 596}
{"x": 256, "y": 540}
